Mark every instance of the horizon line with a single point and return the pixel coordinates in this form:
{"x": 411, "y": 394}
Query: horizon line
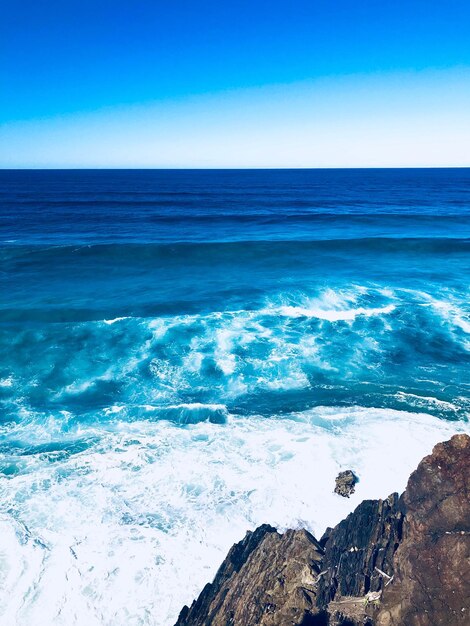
{"x": 235, "y": 169}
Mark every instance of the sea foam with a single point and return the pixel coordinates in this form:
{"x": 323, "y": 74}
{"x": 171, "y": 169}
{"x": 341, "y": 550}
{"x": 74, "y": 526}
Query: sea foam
{"x": 131, "y": 529}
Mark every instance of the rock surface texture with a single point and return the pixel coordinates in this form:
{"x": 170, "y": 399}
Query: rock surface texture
{"x": 359, "y": 551}
{"x": 345, "y": 483}
{"x": 432, "y": 564}
{"x": 395, "y": 562}
{"x": 266, "y": 579}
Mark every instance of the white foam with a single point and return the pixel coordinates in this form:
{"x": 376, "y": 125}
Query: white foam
{"x": 425, "y": 402}
{"x": 335, "y": 315}
{"x": 288, "y": 343}
{"x": 116, "y": 319}
{"x": 197, "y": 406}
{"x": 128, "y": 531}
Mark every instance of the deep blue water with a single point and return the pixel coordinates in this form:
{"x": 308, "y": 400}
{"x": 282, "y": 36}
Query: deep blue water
{"x": 352, "y": 283}
{"x": 176, "y": 344}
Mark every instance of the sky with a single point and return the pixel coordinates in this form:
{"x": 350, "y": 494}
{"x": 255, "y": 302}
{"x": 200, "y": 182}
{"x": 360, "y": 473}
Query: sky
{"x": 318, "y": 83}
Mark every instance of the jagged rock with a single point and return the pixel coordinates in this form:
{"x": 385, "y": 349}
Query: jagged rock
{"x": 345, "y": 483}
{"x": 232, "y": 564}
{"x": 432, "y": 564}
{"x": 267, "y": 579}
{"x": 359, "y": 551}
{"x": 395, "y": 562}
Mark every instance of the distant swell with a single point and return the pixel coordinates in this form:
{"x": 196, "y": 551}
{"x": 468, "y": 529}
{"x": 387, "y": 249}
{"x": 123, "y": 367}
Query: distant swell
{"x": 398, "y": 244}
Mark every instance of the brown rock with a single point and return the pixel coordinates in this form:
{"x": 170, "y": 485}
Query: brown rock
{"x": 345, "y": 483}
{"x": 432, "y": 565}
{"x": 267, "y": 579}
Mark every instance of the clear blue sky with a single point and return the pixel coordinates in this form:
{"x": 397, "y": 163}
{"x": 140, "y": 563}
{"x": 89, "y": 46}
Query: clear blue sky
{"x": 180, "y": 83}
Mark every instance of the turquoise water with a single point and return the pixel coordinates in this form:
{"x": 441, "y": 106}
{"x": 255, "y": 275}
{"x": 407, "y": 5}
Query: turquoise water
{"x": 181, "y": 348}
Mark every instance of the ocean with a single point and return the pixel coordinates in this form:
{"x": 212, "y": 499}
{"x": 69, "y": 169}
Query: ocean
{"x": 186, "y": 354}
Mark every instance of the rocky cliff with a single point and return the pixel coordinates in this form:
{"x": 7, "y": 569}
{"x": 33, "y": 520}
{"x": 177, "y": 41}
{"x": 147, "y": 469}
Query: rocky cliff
{"x": 403, "y": 561}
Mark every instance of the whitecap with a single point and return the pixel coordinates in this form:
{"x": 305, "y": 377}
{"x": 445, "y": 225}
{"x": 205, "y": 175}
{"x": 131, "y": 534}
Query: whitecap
{"x": 334, "y": 315}
{"x": 116, "y": 319}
